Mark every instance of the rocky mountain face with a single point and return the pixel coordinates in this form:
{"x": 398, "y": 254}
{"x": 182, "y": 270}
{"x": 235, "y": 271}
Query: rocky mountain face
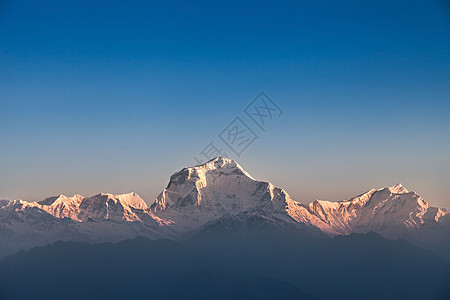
{"x": 218, "y": 195}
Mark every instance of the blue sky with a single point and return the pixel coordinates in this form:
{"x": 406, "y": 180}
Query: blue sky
{"x": 115, "y": 96}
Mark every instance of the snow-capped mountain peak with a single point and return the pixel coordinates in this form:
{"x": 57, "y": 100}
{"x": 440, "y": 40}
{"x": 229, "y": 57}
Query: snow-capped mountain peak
{"x": 56, "y": 200}
{"x": 99, "y": 207}
{"x": 62, "y": 206}
{"x": 132, "y": 199}
{"x": 189, "y": 187}
{"x": 398, "y": 189}
{"x": 197, "y": 195}
{"x": 390, "y": 211}
{"x": 224, "y": 164}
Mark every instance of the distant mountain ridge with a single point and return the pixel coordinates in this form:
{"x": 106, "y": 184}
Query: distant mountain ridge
{"x": 213, "y": 195}
{"x": 356, "y": 266}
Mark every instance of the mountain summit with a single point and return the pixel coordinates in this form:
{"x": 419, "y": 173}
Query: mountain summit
{"x": 217, "y": 194}
{"x": 398, "y": 189}
{"x": 192, "y": 186}
{"x": 201, "y": 194}
{"x": 390, "y": 211}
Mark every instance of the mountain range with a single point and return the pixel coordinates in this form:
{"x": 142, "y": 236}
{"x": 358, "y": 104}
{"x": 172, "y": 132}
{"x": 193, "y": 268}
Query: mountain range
{"x": 220, "y": 196}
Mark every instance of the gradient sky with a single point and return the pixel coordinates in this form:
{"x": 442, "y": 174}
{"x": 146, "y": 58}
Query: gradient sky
{"x": 115, "y": 96}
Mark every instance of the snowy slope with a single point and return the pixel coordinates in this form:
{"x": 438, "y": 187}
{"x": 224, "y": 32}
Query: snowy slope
{"x": 62, "y": 206}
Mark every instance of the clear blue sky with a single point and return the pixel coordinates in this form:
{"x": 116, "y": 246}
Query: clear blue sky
{"x": 116, "y": 96}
